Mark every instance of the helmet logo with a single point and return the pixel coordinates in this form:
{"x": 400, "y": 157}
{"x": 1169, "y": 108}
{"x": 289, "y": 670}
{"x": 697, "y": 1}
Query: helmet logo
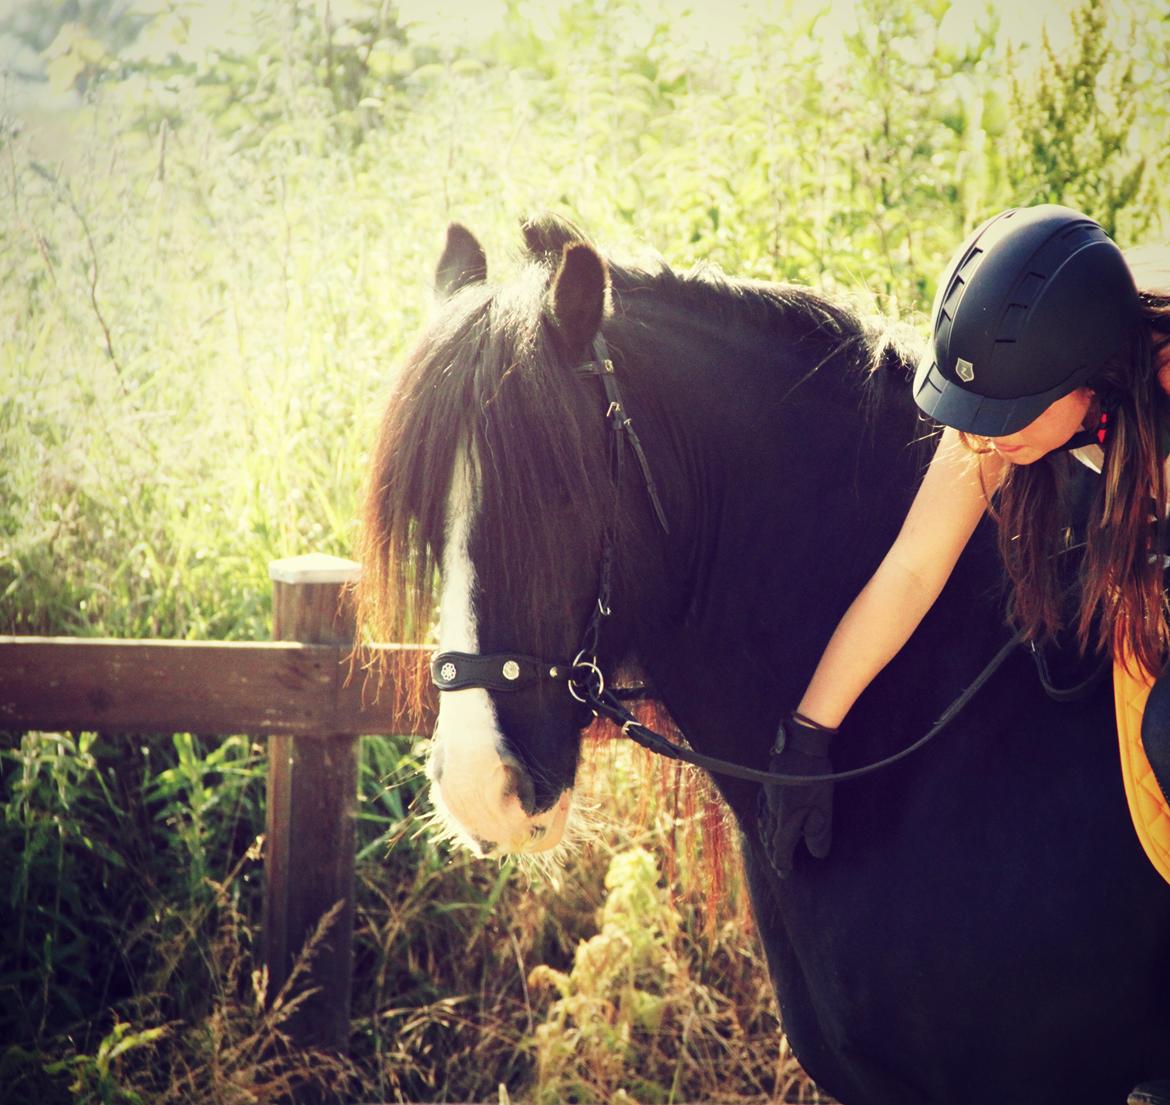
{"x": 965, "y": 370}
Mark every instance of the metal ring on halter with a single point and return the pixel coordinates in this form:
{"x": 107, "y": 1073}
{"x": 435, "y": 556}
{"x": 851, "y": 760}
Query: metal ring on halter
{"x": 591, "y": 669}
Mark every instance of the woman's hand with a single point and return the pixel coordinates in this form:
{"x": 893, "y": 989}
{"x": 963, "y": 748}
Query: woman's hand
{"x": 789, "y": 812}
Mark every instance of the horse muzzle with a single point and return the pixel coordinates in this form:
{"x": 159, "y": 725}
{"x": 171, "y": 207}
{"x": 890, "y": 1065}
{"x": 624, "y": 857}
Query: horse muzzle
{"x": 486, "y": 798}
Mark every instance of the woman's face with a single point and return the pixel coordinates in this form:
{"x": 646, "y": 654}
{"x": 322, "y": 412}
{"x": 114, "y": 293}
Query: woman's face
{"x": 1047, "y": 432}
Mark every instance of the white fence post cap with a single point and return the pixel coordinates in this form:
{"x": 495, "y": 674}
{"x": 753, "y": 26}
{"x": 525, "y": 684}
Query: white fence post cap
{"x": 314, "y": 568}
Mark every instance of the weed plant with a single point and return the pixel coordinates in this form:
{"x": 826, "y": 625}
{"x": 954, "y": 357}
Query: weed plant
{"x": 135, "y": 867}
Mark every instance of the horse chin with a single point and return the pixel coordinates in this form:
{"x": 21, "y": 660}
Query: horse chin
{"x": 482, "y": 812}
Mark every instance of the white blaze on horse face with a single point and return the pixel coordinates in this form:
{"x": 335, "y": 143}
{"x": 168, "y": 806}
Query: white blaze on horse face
{"x": 473, "y": 780}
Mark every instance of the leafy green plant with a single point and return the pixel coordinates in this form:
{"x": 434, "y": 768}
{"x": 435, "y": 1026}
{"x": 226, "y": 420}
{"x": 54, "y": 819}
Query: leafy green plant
{"x": 641, "y": 1014}
{"x": 98, "y": 1078}
{"x": 622, "y": 986}
{"x": 1076, "y": 133}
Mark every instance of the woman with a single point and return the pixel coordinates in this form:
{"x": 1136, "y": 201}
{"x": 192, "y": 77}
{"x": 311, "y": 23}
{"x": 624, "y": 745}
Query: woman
{"x": 1042, "y": 344}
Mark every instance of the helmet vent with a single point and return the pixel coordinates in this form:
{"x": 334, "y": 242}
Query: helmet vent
{"x": 1082, "y": 233}
{"x": 970, "y": 265}
{"x": 1030, "y": 287}
{"x": 959, "y": 282}
{"x": 951, "y": 303}
{"x": 1016, "y": 312}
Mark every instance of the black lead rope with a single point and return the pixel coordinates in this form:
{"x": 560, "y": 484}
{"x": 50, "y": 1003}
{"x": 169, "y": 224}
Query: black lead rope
{"x": 1076, "y": 692}
{"x": 606, "y": 704}
{"x": 452, "y": 671}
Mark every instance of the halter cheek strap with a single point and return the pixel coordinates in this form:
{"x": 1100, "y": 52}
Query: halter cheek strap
{"x": 623, "y": 426}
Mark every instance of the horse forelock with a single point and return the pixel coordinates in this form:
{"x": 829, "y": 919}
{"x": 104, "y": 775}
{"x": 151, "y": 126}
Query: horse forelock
{"x": 487, "y": 381}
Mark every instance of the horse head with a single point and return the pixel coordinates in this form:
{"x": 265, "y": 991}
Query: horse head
{"x": 492, "y": 469}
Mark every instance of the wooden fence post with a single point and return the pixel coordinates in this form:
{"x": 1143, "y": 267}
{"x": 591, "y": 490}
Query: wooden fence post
{"x": 312, "y": 804}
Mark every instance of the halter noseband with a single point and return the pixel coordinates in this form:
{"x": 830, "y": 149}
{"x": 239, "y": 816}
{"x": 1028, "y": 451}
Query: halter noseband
{"x": 502, "y": 671}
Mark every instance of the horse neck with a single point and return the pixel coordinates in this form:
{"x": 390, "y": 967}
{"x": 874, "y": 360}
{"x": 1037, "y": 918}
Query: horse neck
{"x": 785, "y": 487}
{"x": 785, "y": 484}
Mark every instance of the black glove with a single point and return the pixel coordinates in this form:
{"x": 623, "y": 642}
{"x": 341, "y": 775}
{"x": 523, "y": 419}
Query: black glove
{"x": 788, "y": 812}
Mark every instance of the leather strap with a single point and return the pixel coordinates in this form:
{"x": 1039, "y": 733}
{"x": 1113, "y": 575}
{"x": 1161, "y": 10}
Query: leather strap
{"x": 500, "y": 671}
{"x": 606, "y": 705}
{"x": 802, "y": 738}
{"x": 622, "y": 424}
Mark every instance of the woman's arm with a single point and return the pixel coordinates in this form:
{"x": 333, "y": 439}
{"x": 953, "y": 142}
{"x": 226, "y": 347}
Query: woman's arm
{"x": 944, "y": 514}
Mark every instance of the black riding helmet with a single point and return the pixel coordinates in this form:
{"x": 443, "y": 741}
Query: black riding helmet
{"x": 1030, "y": 308}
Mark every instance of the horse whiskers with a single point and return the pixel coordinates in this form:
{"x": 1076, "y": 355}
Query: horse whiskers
{"x": 541, "y": 867}
{"x": 587, "y": 822}
{"x": 585, "y": 826}
{"x": 442, "y": 829}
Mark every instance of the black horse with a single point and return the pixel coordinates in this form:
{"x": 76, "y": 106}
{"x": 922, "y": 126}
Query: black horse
{"x": 986, "y": 928}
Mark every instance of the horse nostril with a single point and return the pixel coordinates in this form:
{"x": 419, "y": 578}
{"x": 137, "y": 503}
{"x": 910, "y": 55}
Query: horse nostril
{"x": 519, "y": 783}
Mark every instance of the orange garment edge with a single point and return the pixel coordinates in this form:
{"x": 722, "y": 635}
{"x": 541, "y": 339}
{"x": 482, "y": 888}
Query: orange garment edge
{"x": 1147, "y": 805}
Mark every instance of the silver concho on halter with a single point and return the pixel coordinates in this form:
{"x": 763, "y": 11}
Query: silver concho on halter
{"x": 448, "y": 672}
{"x": 510, "y": 670}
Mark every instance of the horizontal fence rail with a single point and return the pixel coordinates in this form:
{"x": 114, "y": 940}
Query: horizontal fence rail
{"x": 304, "y": 693}
{"x": 211, "y": 688}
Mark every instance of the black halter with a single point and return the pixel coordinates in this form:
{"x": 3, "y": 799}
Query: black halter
{"x": 582, "y": 676}
{"x": 506, "y": 671}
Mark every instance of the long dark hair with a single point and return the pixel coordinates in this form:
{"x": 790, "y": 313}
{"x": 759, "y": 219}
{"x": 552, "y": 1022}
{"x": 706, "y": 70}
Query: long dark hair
{"x": 1122, "y": 602}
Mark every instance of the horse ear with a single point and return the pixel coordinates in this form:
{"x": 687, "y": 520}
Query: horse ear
{"x": 546, "y": 236}
{"x": 463, "y": 262}
{"x": 578, "y": 297}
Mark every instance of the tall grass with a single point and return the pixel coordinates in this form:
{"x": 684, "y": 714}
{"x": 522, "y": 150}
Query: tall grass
{"x": 136, "y": 947}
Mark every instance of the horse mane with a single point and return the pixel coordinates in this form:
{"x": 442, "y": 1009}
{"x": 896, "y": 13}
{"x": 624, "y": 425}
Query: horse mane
{"x": 881, "y": 346}
{"x": 490, "y": 384}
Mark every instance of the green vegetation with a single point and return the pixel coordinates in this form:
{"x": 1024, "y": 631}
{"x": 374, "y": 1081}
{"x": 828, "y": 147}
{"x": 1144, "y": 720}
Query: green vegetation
{"x": 215, "y": 246}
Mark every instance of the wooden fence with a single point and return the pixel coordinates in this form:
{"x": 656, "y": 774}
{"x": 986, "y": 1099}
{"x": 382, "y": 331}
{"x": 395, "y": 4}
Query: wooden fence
{"x": 298, "y": 692}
